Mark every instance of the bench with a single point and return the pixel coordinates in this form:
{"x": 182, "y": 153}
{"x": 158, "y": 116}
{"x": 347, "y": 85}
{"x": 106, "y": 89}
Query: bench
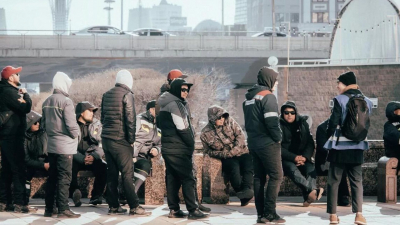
{"x": 387, "y": 179}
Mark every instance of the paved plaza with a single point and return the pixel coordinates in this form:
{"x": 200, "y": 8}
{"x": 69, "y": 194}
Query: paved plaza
{"x": 288, "y": 207}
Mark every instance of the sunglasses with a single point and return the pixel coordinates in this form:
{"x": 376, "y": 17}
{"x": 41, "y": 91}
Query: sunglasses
{"x": 220, "y": 117}
{"x": 185, "y": 90}
{"x": 289, "y": 112}
{"x": 17, "y": 74}
{"x": 36, "y": 123}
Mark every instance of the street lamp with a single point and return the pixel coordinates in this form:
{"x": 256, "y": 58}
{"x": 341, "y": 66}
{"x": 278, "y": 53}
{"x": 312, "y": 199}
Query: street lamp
{"x": 288, "y": 48}
{"x": 396, "y": 35}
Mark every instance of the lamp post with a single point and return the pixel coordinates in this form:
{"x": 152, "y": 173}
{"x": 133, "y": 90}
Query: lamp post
{"x": 396, "y": 36}
{"x": 288, "y": 36}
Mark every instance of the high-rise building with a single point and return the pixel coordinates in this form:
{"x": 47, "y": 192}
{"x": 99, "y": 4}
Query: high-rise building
{"x": 60, "y": 12}
{"x": 164, "y": 16}
{"x": 241, "y": 12}
{"x": 3, "y": 25}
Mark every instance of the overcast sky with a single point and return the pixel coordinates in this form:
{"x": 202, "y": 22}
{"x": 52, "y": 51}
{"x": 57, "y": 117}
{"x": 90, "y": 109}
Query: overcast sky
{"x": 36, "y": 14}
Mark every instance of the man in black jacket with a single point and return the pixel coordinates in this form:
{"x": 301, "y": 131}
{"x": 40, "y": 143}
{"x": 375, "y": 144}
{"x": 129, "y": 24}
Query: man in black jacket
{"x": 118, "y": 117}
{"x": 12, "y": 137}
{"x": 264, "y": 141}
{"x": 177, "y": 147}
{"x": 89, "y": 154}
{"x": 297, "y": 149}
{"x": 36, "y": 157}
{"x": 391, "y": 130}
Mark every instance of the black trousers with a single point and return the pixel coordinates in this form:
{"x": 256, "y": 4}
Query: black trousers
{"x": 239, "y": 171}
{"x": 335, "y": 174}
{"x": 304, "y": 176}
{"x": 267, "y": 161}
{"x": 119, "y": 159}
{"x": 179, "y": 172}
{"x": 60, "y": 173}
{"x": 12, "y": 171}
{"x": 30, "y": 172}
{"x": 99, "y": 169}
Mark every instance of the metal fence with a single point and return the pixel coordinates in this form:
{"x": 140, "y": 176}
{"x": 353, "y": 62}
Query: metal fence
{"x": 127, "y": 42}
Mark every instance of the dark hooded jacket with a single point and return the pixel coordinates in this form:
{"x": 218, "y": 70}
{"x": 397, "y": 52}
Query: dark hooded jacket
{"x": 118, "y": 115}
{"x": 177, "y": 133}
{"x": 148, "y": 136}
{"x": 225, "y": 141}
{"x": 321, "y": 153}
{"x": 296, "y": 137}
{"x": 391, "y": 131}
{"x": 16, "y": 124}
{"x": 35, "y": 144}
{"x": 261, "y": 112}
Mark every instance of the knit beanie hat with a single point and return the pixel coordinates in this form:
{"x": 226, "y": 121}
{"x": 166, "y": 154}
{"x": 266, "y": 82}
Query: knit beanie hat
{"x": 151, "y": 104}
{"x": 347, "y": 78}
{"x": 124, "y": 77}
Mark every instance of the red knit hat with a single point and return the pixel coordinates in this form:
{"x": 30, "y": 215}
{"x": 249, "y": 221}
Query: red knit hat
{"x": 173, "y": 74}
{"x": 8, "y": 71}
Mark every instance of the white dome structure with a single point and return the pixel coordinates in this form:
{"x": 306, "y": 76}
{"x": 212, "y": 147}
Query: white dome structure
{"x": 367, "y": 31}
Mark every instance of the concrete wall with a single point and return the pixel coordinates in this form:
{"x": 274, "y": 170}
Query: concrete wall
{"x": 313, "y": 87}
{"x": 177, "y": 46}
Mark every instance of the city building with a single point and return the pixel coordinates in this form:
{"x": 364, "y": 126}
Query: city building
{"x": 60, "y": 13}
{"x": 3, "y": 25}
{"x": 241, "y": 12}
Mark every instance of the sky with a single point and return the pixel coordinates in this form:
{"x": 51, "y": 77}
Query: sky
{"x": 36, "y": 14}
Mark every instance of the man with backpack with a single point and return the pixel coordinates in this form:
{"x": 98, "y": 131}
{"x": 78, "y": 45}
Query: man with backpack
{"x": 347, "y": 128}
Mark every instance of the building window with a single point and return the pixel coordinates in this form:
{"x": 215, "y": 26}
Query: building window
{"x": 320, "y": 0}
{"x": 279, "y": 17}
{"x": 320, "y": 17}
{"x": 294, "y": 17}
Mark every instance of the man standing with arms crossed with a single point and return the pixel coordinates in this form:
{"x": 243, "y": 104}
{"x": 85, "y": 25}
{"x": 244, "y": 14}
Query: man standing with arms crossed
{"x": 263, "y": 137}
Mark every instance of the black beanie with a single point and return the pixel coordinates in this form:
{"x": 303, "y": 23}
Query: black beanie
{"x": 151, "y": 104}
{"x": 348, "y": 78}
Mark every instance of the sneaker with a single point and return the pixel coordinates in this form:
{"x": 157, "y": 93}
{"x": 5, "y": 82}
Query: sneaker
{"x": 274, "y": 218}
{"x": 20, "y": 209}
{"x": 333, "y": 219}
{"x": 245, "y": 201}
{"x": 139, "y": 211}
{"x": 261, "y": 219}
{"x": 76, "y": 197}
{"x": 320, "y": 191}
{"x": 360, "y": 219}
{"x": 96, "y": 201}
{"x": 196, "y": 214}
{"x": 246, "y": 193}
{"x": 177, "y": 214}
{"x": 203, "y": 208}
{"x": 312, "y": 196}
{"x": 68, "y": 214}
{"x": 3, "y": 207}
{"x": 118, "y": 211}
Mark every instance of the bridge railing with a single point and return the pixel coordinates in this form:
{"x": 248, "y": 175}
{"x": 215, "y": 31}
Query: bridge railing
{"x": 125, "y": 42}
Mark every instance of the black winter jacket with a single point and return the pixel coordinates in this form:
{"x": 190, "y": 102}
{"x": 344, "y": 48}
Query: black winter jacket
{"x": 118, "y": 114}
{"x": 35, "y": 146}
{"x": 305, "y": 147}
{"x": 261, "y": 117}
{"x": 16, "y": 125}
{"x": 177, "y": 133}
{"x": 391, "y": 133}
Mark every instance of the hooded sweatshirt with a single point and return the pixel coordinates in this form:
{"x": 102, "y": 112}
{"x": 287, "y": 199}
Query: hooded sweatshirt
{"x": 177, "y": 133}
{"x": 58, "y": 118}
{"x": 296, "y": 136}
{"x": 261, "y": 112}
{"x": 391, "y": 133}
{"x": 35, "y": 144}
{"x": 224, "y": 141}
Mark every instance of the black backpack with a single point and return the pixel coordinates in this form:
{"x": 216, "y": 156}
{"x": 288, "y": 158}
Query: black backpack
{"x": 356, "y": 124}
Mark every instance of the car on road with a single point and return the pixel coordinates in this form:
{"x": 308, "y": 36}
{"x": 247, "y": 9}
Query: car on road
{"x": 151, "y": 32}
{"x": 268, "y": 34}
{"x": 102, "y": 30}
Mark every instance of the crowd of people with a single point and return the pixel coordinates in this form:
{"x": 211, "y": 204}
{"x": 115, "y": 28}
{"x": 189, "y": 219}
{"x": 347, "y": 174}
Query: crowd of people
{"x": 66, "y": 139}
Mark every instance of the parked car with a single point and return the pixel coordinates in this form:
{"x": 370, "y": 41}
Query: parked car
{"x": 101, "y": 30}
{"x": 268, "y": 34}
{"x": 151, "y": 32}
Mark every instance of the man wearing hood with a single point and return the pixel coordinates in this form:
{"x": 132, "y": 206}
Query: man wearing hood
{"x": 264, "y": 140}
{"x": 15, "y": 103}
{"x": 345, "y": 155}
{"x": 89, "y": 154}
{"x": 391, "y": 130}
{"x": 118, "y": 117}
{"x": 36, "y": 157}
{"x": 297, "y": 149}
{"x": 177, "y": 141}
{"x": 223, "y": 139}
{"x": 63, "y": 134}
